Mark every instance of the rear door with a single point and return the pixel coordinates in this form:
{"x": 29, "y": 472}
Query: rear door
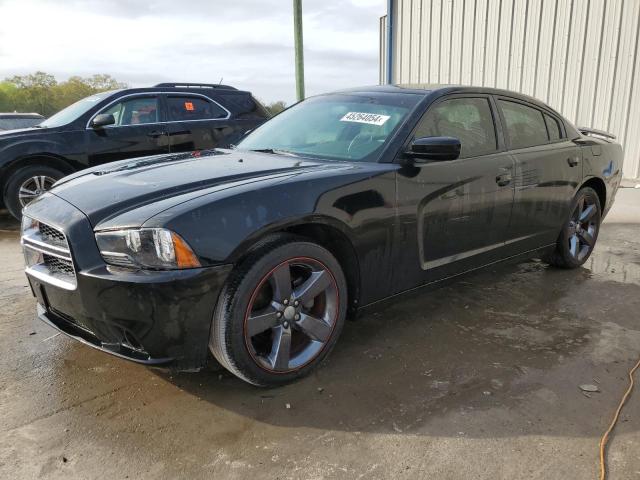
{"x": 461, "y": 208}
{"x": 196, "y": 122}
{"x": 139, "y": 130}
{"x": 548, "y": 169}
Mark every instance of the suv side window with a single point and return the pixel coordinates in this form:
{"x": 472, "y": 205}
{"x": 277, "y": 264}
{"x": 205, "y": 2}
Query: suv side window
{"x": 134, "y": 111}
{"x": 184, "y": 108}
{"x": 525, "y": 125}
{"x": 553, "y": 127}
{"x": 468, "y": 119}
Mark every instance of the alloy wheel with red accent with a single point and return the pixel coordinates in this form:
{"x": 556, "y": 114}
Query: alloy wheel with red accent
{"x": 281, "y": 311}
{"x": 579, "y": 234}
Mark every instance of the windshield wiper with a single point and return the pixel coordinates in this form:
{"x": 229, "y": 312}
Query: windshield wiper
{"x": 274, "y": 151}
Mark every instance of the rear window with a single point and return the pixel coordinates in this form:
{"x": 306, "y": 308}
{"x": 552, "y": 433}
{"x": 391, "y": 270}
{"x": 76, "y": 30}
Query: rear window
{"x": 243, "y": 106}
{"x": 185, "y": 108}
{"x": 525, "y": 125}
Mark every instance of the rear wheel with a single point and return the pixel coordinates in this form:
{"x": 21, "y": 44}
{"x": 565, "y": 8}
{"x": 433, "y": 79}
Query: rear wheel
{"x": 280, "y": 312}
{"x": 28, "y": 183}
{"x": 580, "y": 232}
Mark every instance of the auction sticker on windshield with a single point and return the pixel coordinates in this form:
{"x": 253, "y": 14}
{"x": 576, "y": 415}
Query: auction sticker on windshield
{"x": 370, "y": 118}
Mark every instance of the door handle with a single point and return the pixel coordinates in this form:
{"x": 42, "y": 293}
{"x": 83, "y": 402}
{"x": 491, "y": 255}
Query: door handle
{"x": 573, "y": 161}
{"x": 504, "y": 179}
{"x": 155, "y": 134}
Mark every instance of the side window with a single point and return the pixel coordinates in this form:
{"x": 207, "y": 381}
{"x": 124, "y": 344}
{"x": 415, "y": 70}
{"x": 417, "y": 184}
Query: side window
{"x": 553, "y": 127}
{"x": 467, "y": 119}
{"x": 525, "y": 125}
{"x": 134, "y": 111}
{"x": 184, "y": 108}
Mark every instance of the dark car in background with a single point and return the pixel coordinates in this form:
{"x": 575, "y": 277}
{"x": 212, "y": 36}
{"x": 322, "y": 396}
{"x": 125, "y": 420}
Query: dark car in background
{"x": 121, "y": 124}
{"x": 257, "y": 253}
{"x": 15, "y": 120}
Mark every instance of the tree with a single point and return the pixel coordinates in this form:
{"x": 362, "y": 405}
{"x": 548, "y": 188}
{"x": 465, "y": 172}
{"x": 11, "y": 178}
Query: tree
{"x": 275, "y": 107}
{"x": 40, "y": 92}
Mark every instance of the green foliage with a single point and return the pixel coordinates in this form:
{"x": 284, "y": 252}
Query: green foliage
{"x": 40, "y": 92}
{"x": 275, "y": 107}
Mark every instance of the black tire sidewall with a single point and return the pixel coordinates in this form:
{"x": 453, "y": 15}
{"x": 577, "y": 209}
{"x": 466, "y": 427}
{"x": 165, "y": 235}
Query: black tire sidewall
{"x": 17, "y": 178}
{"x": 567, "y": 260}
{"x": 227, "y": 330}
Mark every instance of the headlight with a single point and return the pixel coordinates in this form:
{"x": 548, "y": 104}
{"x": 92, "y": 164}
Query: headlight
{"x": 153, "y": 248}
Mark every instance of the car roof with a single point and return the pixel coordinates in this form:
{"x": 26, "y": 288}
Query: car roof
{"x": 207, "y": 90}
{"x": 442, "y": 89}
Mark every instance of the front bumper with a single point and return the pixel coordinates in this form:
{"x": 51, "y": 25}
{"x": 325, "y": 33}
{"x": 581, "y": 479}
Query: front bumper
{"x": 150, "y": 317}
{"x": 154, "y": 318}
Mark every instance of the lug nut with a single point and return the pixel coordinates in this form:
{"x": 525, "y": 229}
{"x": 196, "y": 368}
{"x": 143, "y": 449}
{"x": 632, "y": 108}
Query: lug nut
{"x": 297, "y": 317}
{"x": 296, "y": 303}
{"x": 285, "y": 324}
{"x": 286, "y": 301}
{"x": 279, "y": 314}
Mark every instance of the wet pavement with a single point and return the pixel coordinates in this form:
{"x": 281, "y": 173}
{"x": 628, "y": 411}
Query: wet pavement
{"x": 478, "y": 379}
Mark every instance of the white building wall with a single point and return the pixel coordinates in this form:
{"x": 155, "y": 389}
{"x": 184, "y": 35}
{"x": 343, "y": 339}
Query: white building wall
{"x": 579, "y": 56}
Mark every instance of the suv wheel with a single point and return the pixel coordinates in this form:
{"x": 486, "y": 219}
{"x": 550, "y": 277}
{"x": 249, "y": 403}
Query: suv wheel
{"x": 28, "y": 183}
{"x": 280, "y": 312}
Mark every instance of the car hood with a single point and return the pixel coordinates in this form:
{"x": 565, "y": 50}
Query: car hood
{"x": 159, "y": 182}
{"x": 21, "y": 133}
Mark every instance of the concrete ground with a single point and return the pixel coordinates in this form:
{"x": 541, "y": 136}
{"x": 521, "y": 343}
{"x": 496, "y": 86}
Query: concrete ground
{"x": 477, "y": 380}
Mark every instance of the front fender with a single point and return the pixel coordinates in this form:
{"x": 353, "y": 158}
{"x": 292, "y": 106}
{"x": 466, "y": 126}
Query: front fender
{"x": 224, "y": 225}
{"x": 70, "y": 148}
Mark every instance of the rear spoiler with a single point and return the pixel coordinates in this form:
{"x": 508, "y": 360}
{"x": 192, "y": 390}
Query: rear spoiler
{"x": 599, "y": 133}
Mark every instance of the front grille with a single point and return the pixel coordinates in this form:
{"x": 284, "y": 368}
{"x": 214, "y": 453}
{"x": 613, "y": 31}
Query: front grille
{"x": 51, "y": 235}
{"x": 47, "y": 254}
{"x": 58, "y": 265}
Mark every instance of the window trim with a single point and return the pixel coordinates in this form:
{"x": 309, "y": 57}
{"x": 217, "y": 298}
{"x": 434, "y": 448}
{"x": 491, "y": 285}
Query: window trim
{"x": 543, "y": 111}
{"x": 497, "y": 120}
{"x": 206, "y": 99}
{"x": 161, "y": 102}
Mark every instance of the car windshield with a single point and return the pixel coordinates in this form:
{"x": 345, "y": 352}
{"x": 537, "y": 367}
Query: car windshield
{"x": 334, "y": 127}
{"x": 73, "y": 111}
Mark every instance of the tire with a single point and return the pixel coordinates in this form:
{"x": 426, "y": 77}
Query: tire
{"x": 578, "y": 237}
{"x": 268, "y": 335}
{"x": 35, "y": 178}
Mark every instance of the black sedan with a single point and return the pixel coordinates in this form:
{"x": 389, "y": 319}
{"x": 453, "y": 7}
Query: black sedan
{"x": 120, "y": 124}
{"x": 259, "y": 253}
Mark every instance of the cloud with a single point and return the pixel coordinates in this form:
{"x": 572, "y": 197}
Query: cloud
{"x": 249, "y": 43}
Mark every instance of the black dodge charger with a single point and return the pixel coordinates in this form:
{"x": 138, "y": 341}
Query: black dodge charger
{"x": 257, "y": 254}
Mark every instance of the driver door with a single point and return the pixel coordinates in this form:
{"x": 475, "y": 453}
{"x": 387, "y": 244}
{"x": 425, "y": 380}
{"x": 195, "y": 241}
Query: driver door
{"x": 139, "y": 131}
{"x": 457, "y": 211}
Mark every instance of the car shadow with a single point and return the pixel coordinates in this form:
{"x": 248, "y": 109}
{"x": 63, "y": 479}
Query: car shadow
{"x": 515, "y": 339}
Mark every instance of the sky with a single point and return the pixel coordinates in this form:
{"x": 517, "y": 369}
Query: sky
{"x": 247, "y": 43}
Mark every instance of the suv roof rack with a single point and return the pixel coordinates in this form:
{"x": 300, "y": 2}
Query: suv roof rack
{"x": 195, "y": 85}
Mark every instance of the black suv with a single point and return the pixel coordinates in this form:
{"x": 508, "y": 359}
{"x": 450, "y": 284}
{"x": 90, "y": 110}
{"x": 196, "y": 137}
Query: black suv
{"x": 121, "y": 124}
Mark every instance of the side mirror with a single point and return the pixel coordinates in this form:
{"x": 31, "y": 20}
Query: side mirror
{"x": 434, "y": 148}
{"x": 103, "y": 120}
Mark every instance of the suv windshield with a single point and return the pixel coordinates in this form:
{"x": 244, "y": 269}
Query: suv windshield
{"x": 75, "y": 110}
{"x": 337, "y": 126}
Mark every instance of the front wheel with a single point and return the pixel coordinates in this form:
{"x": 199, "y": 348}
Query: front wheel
{"x": 280, "y": 312}
{"x": 580, "y": 232}
{"x": 27, "y": 184}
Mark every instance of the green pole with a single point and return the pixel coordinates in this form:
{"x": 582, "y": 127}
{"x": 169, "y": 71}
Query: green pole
{"x": 297, "y": 26}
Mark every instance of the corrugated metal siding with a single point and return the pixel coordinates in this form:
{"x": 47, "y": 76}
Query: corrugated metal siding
{"x": 579, "y": 56}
